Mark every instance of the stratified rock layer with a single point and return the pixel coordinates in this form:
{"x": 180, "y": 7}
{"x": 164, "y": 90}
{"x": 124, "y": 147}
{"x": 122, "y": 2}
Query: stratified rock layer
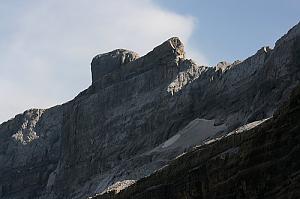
{"x": 138, "y": 114}
{"x": 260, "y": 163}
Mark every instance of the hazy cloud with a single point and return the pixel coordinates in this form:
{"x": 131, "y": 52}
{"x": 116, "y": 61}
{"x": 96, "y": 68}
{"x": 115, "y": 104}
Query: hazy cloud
{"x": 46, "y": 46}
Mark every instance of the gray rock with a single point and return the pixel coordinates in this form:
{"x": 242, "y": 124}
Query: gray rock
{"x": 253, "y": 163}
{"x": 29, "y": 152}
{"x": 121, "y": 127}
{"x": 104, "y": 64}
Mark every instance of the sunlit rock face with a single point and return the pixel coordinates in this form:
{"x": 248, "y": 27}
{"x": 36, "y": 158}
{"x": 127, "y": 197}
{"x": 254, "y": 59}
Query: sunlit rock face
{"x": 137, "y": 115}
{"x": 29, "y": 152}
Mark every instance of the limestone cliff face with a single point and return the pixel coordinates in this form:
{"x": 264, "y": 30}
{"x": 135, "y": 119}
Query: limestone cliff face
{"x": 138, "y": 114}
{"x": 259, "y": 163}
{"x": 29, "y": 152}
{"x": 124, "y": 114}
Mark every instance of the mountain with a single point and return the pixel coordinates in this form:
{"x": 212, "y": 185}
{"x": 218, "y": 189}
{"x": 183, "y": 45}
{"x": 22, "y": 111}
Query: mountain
{"x": 259, "y": 163}
{"x": 138, "y": 114}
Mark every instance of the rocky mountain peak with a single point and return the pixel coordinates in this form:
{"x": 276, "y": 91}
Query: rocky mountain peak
{"x": 103, "y": 64}
{"x": 170, "y": 52}
{"x": 164, "y": 61}
{"x": 172, "y": 46}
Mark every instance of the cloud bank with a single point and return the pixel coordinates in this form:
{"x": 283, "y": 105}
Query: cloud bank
{"x": 46, "y": 46}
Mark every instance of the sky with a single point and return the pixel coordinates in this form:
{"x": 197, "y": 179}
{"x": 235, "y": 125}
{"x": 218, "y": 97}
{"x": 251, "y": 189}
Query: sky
{"x": 46, "y": 46}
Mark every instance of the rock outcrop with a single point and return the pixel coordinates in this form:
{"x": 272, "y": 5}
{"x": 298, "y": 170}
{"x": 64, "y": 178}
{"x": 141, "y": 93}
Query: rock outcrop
{"x": 29, "y": 152}
{"x": 138, "y": 114}
{"x": 259, "y": 163}
{"x": 105, "y": 64}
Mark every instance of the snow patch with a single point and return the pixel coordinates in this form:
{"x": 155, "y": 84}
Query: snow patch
{"x": 171, "y": 141}
{"x": 192, "y": 134}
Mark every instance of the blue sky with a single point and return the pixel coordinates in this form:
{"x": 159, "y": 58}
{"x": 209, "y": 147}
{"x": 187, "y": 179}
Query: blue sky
{"x": 235, "y": 29}
{"x": 47, "y": 46}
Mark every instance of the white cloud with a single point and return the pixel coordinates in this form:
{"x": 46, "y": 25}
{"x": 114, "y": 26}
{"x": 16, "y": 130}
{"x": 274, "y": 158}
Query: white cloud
{"x": 48, "y": 45}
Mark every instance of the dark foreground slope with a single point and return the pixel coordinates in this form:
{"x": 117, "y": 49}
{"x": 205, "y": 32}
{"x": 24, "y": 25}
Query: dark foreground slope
{"x": 138, "y": 114}
{"x": 260, "y": 163}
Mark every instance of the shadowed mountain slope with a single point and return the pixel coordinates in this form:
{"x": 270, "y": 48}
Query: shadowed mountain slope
{"x": 259, "y": 163}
